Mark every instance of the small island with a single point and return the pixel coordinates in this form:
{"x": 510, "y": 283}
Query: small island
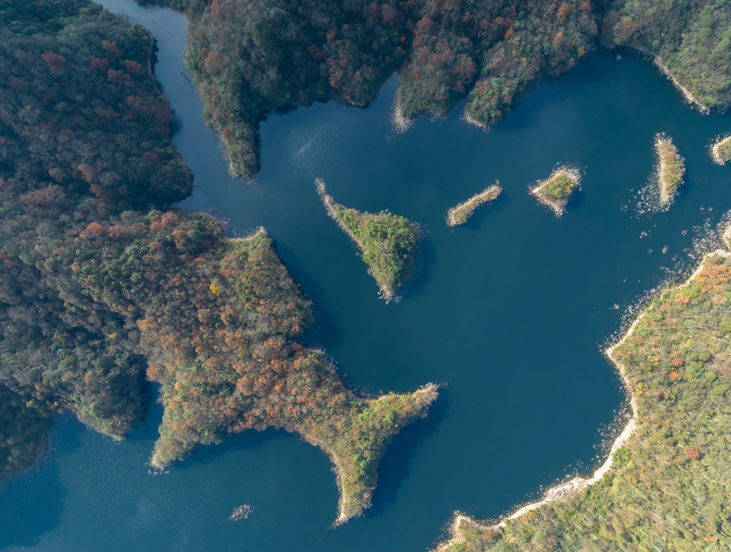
{"x": 721, "y": 151}
{"x": 387, "y": 242}
{"x": 669, "y": 169}
{"x": 462, "y": 212}
{"x": 555, "y": 191}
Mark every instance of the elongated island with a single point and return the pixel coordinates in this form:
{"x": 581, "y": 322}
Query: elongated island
{"x": 556, "y": 190}
{"x": 387, "y": 242}
{"x": 669, "y": 169}
{"x": 665, "y": 484}
{"x": 462, "y": 212}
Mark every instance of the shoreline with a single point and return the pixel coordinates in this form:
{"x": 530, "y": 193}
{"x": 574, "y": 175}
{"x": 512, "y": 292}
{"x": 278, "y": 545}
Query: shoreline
{"x": 42, "y": 449}
{"x": 665, "y": 197}
{"x": 342, "y": 517}
{"x": 715, "y": 156}
{"x": 571, "y": 487}
{"x": 662, "y": 142}
{"x": 474, "y": 122}
{"x": 400, "y": 121}
{"x": 687, "y": 94}
{"x": 558, "y": 209}
{"x": 479, "y": 199}
{"x": 329, "y": 203}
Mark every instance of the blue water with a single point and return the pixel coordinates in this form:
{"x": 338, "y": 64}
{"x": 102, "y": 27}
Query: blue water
{"x": 510, "y": 312}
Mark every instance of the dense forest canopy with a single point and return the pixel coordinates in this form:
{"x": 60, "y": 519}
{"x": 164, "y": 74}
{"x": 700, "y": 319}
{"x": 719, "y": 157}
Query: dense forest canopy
{"x": 251, "y": 57}
{"x": 102, "y": 285}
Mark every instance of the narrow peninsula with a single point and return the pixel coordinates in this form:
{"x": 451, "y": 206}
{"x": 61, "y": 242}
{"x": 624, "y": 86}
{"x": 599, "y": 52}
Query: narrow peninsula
{"x": 119, "y": 287}
{"x": 721, "y": 151}
{"x": 556, "y": 190}
{"x": 461, "y": 213}
{"x": 387, "y": 242}
{"x": 669, "y": 169}
{"x": 665, "y": 484}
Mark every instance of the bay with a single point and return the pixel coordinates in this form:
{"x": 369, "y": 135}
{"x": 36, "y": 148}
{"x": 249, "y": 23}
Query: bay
{"x": 511, "y": 313}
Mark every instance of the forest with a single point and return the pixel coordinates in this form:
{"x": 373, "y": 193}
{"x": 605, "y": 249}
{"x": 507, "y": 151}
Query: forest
{"x": 387, "y": 242}
{"x": 104, "y": 287}
{"x": 253, "y": 57}
{"x": 668, "y": 486}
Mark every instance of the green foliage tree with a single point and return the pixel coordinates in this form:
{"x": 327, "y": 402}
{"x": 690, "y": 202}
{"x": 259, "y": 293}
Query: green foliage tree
{"x": 102, "y": 284}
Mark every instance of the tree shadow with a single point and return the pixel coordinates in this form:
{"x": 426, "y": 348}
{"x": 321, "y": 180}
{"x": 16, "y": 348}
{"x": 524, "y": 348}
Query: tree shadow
{"x": 395, "y": 465}
{"x": 31, "y": 506}
{"x": 576, "y": 200}
{"x": 249, "y": 440}
{"x": 326, "y": 331}
{"x": 423, "y": 268}
{"x": 475, "y": 222}
{"x": 32, "y": 502}
{"x": 148, "y": 429}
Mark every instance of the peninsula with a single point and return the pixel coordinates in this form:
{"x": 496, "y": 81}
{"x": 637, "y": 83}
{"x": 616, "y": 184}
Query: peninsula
{"x": 721, "y": 151}
{"x": 669, "y": 168}
{"x": 462, "y": 212}
{"x": 387, "y": 242}
{"x": 664, "y": 486}
{"x": 489, "y": 53}
{"x": 556, "y": 190}
{"x": 104, "y": 285}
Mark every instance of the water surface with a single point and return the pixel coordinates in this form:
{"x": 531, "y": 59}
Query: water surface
{"x": 510, "y": 312}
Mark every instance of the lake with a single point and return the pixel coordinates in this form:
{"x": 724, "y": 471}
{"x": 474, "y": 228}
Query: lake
{"x": 510, "y": 312}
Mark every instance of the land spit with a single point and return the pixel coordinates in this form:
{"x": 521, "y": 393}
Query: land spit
{"x": 462, "y": 212}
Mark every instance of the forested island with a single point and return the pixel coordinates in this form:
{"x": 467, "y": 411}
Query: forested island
{"x": 387, "y": 242}
{"x": 253, "y": 58}
{"x": 669, "y": 169}
{"x": 557, "y": 189}
{"x": 667, "y": 488}
{"x": 461, "y": 213}
{"x": 105, "y": 286}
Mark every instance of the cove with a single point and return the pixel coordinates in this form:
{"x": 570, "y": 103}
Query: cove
{"x": 510, "y": 312}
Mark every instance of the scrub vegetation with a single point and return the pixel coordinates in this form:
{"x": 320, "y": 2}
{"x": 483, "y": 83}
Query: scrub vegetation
{"x": 721, "y": 151}
{"x": 556, "y": 190}
{"x": 387, "y": 242}
{"x": 668, "y": 486}
{"x": 253, "y": 58}
{"x": 102, "y": 285}
{"x": 462, "y": 212}
{"x": 669, "y": 169}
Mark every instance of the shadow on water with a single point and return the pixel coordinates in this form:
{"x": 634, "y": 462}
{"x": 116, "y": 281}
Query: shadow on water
{"x": 577, "y": 199}
{"x": 423, "y": 268}
{"x": 395, "y": 465}
{"x": 29, "y": 511}
{"x": 148, "y": 429}
{"x": 484, "y": 212}
{"x": 249, "y": 440}
{"x": 326, "y": 332}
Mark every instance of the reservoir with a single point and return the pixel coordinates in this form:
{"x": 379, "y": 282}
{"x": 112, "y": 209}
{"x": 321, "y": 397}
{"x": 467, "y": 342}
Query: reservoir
{"x": 510, "y": 312}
